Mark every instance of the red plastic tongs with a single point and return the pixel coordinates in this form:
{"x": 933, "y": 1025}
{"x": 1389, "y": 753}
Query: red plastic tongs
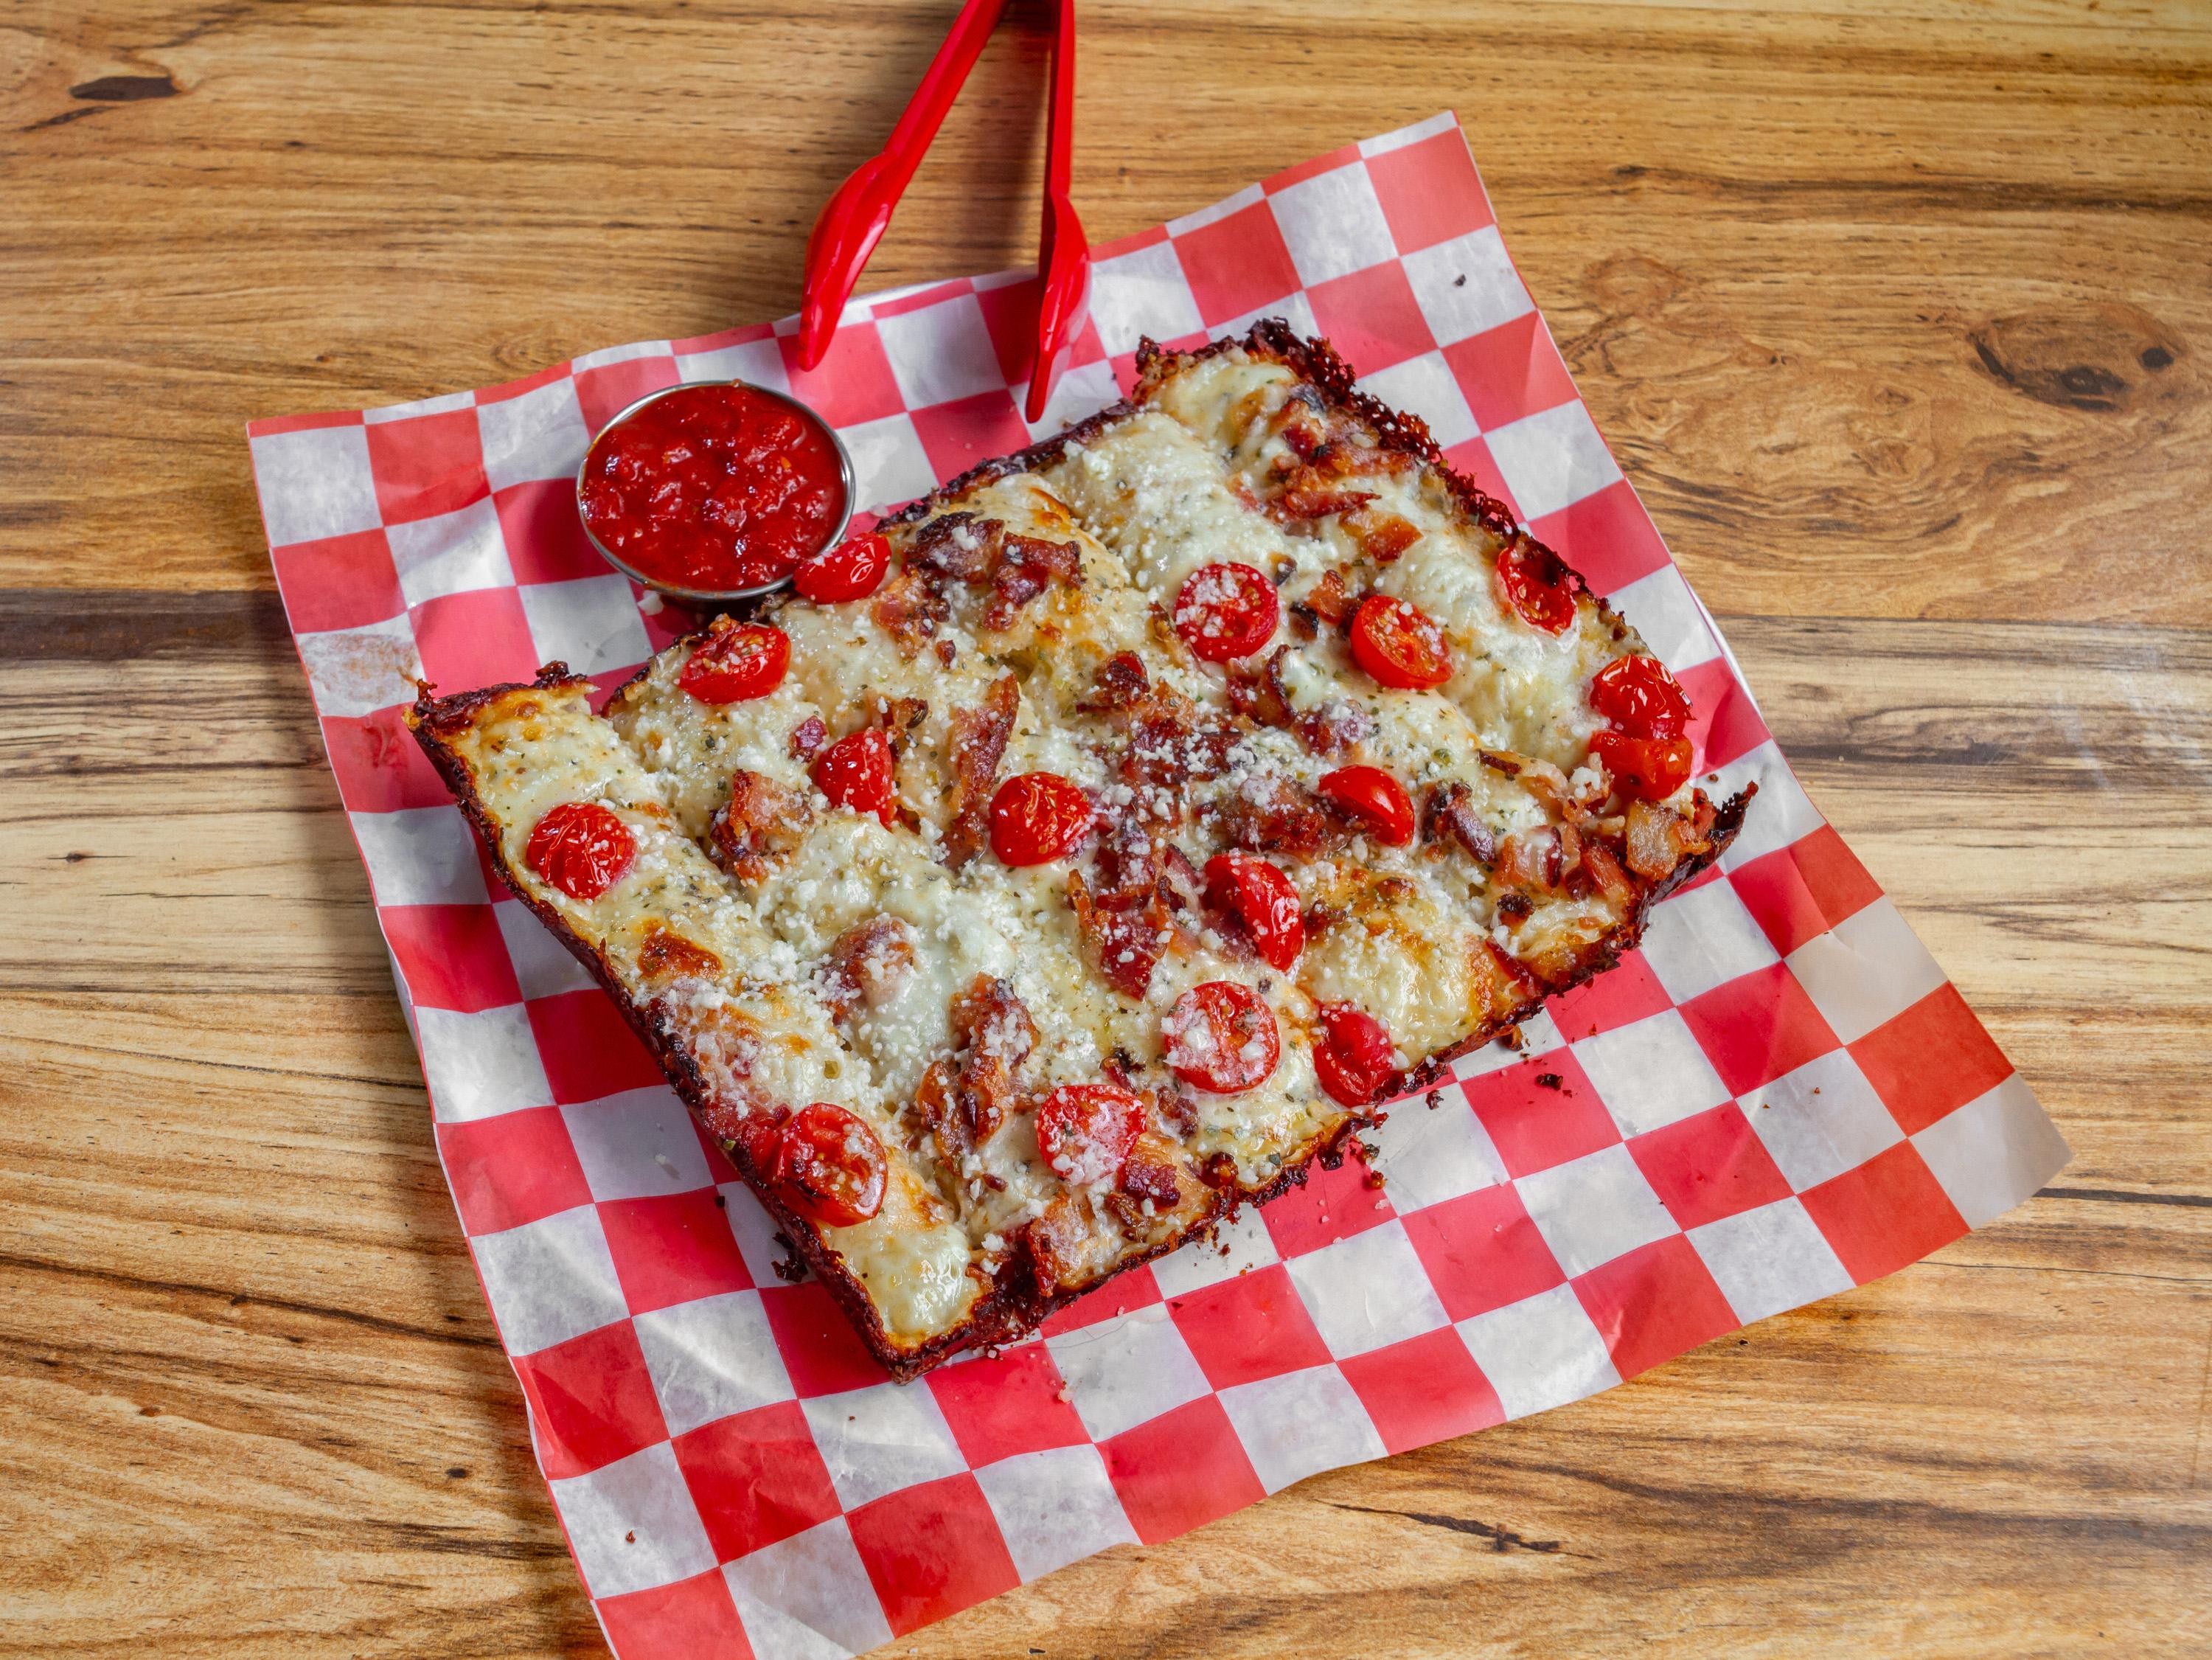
{"x": 856, "y": 217}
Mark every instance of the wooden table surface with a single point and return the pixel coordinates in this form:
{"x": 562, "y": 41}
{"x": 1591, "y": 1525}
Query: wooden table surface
{"x": 1897, "y": 315}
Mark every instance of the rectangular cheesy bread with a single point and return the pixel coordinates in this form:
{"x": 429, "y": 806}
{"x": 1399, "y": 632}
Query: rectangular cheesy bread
{"x": 1030, "y": 1087}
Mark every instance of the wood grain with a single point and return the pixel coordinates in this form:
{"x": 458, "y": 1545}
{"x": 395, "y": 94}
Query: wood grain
{"x": 1896, "y": 316}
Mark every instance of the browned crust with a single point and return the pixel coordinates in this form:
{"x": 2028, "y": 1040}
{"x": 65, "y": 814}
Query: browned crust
{"x": 1601, "y": 954}
{"x": 1274, "y": 340}
{"x": 1045, "y": 452}
{"x": 1016, "y": 1305}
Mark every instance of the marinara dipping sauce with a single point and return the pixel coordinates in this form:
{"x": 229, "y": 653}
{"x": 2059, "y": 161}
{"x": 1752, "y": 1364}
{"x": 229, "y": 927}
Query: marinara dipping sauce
{"x": 713, "y": 489}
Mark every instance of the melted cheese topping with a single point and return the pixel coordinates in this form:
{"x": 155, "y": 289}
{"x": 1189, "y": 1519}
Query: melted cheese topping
{"x": 1407, "y": 934}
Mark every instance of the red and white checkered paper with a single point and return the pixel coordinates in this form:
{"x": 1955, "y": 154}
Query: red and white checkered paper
{"x": 1779, "y": 1097}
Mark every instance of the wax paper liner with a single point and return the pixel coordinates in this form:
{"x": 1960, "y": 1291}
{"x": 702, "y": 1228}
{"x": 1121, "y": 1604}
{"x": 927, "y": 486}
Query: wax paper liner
{"x": 1779, "y": 1096}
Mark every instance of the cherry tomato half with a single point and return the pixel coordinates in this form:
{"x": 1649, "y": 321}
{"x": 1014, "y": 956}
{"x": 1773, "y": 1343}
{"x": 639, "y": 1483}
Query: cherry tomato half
{"x": 1399, "y": 644}
{"x": 1227, "y": 611}
{"x": 1036, "y": 818}
{"x": 582, "y": 848}
{"x": 828, "y": 1165}
{"x": 1353, "y": 1059}
{"x": 1640, "y": 698}
{"x": 1537, "y": 587}
{"x": 858, "y": 771}
{"x": 1644, "y": 769}
{"x": 853, "y": 569}
{"x": 1370, "y": 793}
{"x": 744, "y": 660}
{"x": 1260, "y": 897}
{"x": 1086, "y": 1131}
{"x": 1221, "y": 1038}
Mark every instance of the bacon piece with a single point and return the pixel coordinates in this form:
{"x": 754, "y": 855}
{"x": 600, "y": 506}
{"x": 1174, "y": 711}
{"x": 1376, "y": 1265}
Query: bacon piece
{"x": 1303, "y": 502}
{"x": 1260, "y": 695}
{"x": 1331, "y": 600}
{"x": 899, "y": 717}
{"x": 1121, "y": 681}
{"x": 1651, "y": 848}
{"x": 1273, "y": 816}
{"x": 1125, "y": 945}
{"x": 1180, "y": 883}
{"x": 1304, "y": 434}
{"x": 809, "y": 738}
{"x": 1703, "y": 816}
{"x": 996, "y": 1027}
{"x": 963, "y": 1097}
{"x": 1349, "y": 461}
{"x": 1328, "y": 444}
{"x": 1133, "y": 862}
{"x": 1167, "y": 748}
{"x": 1335, "y": 727}
{"x": 936, "y": 1103}
{"x": 1381, "y": 536}
{"x": 868, "y": 965}
{"x": 959, "y": 545}
{"x": 1126, "y": 862}
{"x": 665, "y": 955}
{"x": 1607, "y": 876}
{"x": 1027, "y": 567}
{"x": 1170, "y": 743}
{"x": 1549, "y": 785}
{"x": 760, "y": 823}
{"x": 743, "y": 1119}
{"x": 994, "y": 1021}
{"x": 910, "y": 605}
{"x": 977, "y": 744}
{"x": 1658, "y": 839}
{"x": 983, "y": 551}
{"x": 1151, "y": 1172}
{"x": 1312, "y": 487}
{"x": 1449, "y": 812}
{"x": 1145, "y": 902}
{"x": 1508, "y": 982}
{"x": 1255, "y": 690}
{"x": 1540, "y": 860}
{"x": 1054, "y": 1244}
{"x": 725, "y": 1046}
{"x": 1178, "y": 1110}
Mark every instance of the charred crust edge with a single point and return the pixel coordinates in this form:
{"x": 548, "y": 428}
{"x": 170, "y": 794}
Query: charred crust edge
{"x": 441, "y": 716}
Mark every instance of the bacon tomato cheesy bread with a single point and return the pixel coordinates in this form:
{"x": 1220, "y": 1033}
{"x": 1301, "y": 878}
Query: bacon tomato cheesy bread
{"x": 1104, "y": 837}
